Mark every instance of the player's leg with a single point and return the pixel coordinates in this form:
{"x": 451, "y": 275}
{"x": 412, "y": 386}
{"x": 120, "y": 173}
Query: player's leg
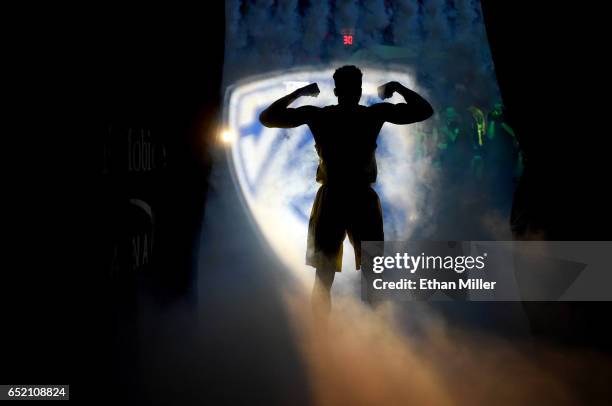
{"x": 325, "y": 236}
{"x": 321, "y": 293}
{"x": 367, "y": 225}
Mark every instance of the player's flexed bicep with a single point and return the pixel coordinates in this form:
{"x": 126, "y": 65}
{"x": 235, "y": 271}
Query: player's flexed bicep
{"x": 280, "y": 115}
{"x": 414, "y": 109}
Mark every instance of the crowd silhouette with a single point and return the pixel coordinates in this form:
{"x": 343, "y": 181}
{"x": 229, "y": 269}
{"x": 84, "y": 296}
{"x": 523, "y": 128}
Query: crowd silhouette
{"x": 476, "y": 157}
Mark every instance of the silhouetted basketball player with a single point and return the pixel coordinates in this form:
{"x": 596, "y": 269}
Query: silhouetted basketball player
{"x": 345, "y": 139}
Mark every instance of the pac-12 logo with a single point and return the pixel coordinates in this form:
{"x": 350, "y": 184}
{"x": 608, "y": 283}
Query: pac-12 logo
{"x": 275, "y": 168}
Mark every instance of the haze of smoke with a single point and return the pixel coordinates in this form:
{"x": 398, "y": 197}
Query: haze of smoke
{"x": 435, "y": 21}
{"x": 363, "y": 358}
{"x": 315, "y": 26}
{"x": 239, "y": 336}
{"x": 404, "y": 180}
{"x": 466, "y": 15}
{"x": 405, "y": 23}
{"x": 372, "y": 22}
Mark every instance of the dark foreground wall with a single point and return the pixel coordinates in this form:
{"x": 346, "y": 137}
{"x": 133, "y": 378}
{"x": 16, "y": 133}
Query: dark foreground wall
{"x": 119, "y": 109}
{"x": 156, "y": 119}
{"x": 548, "y": 66}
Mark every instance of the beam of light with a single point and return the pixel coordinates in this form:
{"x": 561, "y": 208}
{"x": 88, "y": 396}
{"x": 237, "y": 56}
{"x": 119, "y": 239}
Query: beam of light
{"x": 274, "y": 169}
{"x": 227, "y": 136}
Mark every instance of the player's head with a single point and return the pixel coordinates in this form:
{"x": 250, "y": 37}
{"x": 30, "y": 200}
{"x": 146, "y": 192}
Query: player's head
{"x": 348, "y": 85}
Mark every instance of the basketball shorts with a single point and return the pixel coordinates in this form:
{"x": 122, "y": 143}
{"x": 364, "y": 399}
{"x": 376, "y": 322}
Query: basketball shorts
{"x": 337, "y": 212}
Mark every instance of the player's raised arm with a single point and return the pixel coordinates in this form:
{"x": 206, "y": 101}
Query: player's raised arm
{"x": 413, "y": 110}
{"x": 280, "y": 115}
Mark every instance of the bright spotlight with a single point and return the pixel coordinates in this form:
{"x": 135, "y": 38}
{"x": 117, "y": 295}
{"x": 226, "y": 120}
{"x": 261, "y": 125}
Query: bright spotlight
{"x": 227, "y": 136}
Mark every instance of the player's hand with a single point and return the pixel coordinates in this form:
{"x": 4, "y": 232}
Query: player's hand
{"x": 311, "y": 90}
{"x": 385, "y": 91}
